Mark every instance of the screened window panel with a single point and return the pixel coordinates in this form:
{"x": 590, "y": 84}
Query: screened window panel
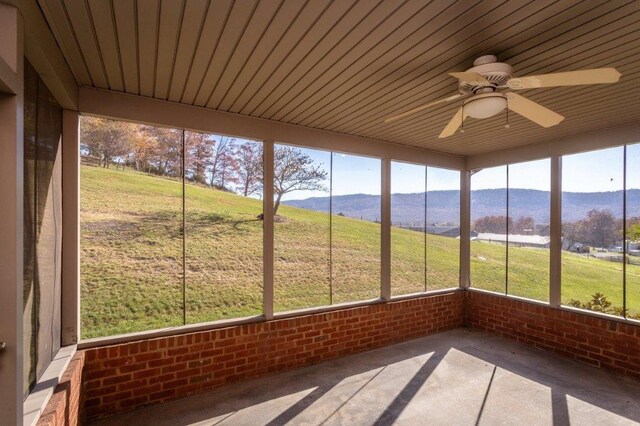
{"x": 633, "y": 232}
{"x": 355, "y": 235}
{"x": 443, "y": 228}
{"x": 131, "y": 214}
{"x": 223, "y": 240}
{"x": 592, "y": 230}
{"x": 408, "y": 232}
{"x": 489, "y": 229}
{"x": 42, "y": 227}
{"x": 302, "y": 233}
{"x": 529, "y": 219}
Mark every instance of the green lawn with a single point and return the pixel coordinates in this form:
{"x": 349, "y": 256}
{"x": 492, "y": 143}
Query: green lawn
{"x": 131, "y": 264}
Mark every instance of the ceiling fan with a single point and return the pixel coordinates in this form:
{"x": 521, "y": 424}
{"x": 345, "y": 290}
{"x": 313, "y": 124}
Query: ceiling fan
{"x": 482, "y": 87}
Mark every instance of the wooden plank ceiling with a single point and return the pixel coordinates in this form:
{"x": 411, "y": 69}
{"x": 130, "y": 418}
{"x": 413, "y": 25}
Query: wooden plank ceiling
{"x": 345, "y": 65}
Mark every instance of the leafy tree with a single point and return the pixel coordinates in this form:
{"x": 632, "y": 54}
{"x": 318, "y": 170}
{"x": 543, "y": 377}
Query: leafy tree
{"x": 523, "y": 226}
{"x": 144, "y": 151}
{"x": 107, "y": 139}
{"x": 492, "y": 224}
{"x": 199, "y": 152}
{"x": 633, "y": 228}
{"x": 600, "y": 228}
{"x": 167, "y": 157}
{"x": 572, "y": 233}
{"x": 294, "y": 170}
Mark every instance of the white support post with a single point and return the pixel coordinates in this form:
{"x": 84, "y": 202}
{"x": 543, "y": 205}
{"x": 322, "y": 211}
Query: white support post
{"x": 555, "y": 231}
{"x": 267, "y": 229}
{"x": 70, "y": 228}
{"x": 465, "y": 229}
{"x": 385, "y": 237}
{"x": 11, "y": 225}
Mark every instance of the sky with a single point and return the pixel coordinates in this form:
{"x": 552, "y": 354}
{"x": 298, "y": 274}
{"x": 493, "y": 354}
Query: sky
{"x": 354, "y": 174}
{"x": 595, "y": 171}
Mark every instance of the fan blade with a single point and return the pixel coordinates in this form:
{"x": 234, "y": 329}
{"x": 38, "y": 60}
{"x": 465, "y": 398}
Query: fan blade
{"x": 420, "y": 108}
{"x": 532, "y": 110}
{"x": 571, "y": 78}
{"x": 453, "y": 125}
{"x": 470, "y": 77}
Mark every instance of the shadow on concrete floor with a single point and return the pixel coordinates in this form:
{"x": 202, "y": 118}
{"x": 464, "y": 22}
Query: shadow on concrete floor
{"x": 459, "y": 377}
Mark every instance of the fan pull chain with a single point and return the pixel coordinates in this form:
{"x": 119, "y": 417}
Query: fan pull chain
{"x": 506, "y": 126}
{"x": 462, "y": 120}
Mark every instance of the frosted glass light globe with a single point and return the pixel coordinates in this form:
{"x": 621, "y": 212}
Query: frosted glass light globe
{"x": 485, "y": 106}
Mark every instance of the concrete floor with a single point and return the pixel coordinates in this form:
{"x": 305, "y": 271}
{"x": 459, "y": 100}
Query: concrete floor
{"x": 461, "y": 377}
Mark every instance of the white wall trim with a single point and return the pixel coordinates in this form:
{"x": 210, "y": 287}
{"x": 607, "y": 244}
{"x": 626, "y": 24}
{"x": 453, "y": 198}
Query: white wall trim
{"x": 41, "y": 393}
{"x": 140, "y": 109}
{"x": 70, "y": 303}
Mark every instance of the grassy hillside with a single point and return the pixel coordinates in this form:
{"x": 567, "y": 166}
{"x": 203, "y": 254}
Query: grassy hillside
{"x": 132, "y": 255}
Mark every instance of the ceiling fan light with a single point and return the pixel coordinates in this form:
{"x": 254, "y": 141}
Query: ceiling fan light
{"x": 485, "y": 107}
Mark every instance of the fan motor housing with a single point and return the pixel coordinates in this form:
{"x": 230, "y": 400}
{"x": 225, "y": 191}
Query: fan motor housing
{"x": 497, "y": 73}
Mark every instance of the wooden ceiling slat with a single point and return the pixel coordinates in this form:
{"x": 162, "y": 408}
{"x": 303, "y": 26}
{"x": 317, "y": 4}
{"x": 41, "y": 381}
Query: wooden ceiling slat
{"x": 328, "y": 82}
{"x": 603, "y": 13}
{"x": 538, "y": 20}
{"x": 457, "y": 50}
{"x": 232, "y": 32}
{"x": 306, "y": 20}
{"x": 288, "y": 13}
{"x": 558, "y": 98}
{"x": 346, "y": 65}
{"x": 101, "y": 15}
{"x": 193, "y": 20}
{"x": 365, "y": 36}
{"x": 57, "y": 18}
{"x": 214, "y": 23}
{"x": 260, "y": 21}
{"x": 364, "y": 116}
{"x": 363, "y": 15}
{"x": 125, "y": 19}
{"x": 171, "y": 15}
{"x": 148, "y": 11}
{"x": 86, "y": 39}
{"x": 590, "y": 54}
{"x": 309, "y": 40}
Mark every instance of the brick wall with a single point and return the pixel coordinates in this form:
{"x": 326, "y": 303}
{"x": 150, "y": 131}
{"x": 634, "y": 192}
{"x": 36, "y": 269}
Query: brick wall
{"x": 596, "y": 341}
{"x": 125, "y": 376}
{"x": 65, "y": 406}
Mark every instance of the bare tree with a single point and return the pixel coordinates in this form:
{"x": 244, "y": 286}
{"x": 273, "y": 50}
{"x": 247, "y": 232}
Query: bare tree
{"x": 222, "y": 161}
{"x": 295, "y": 171}
{"x": 248, "y": 171}
{"x": 107, "y": 139}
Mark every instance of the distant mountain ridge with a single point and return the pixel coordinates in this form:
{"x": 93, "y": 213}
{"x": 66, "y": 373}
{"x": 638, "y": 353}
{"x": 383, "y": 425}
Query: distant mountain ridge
{"x": 408, "y": 209}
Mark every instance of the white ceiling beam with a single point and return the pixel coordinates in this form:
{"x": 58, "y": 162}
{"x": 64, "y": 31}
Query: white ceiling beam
{"x": 604, "y": 138}
{"x": 141, "y": 109}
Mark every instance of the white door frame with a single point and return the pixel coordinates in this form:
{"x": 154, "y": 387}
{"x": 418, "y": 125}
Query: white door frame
{"x": 11, "y": 211}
